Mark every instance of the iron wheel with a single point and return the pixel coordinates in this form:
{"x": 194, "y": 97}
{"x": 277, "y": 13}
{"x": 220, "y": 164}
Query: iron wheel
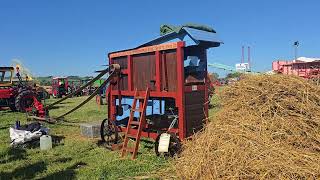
{"x": 109, "y": 132}
{"x": 25, "y": 100}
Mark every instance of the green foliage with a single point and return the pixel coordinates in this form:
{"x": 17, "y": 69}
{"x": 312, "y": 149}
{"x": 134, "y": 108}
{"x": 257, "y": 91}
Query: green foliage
{"x": 47, "y": 80}
{"x": 213, "y": 76}
{"x": 234, "y": 75}
{"x": 166, "y": 28}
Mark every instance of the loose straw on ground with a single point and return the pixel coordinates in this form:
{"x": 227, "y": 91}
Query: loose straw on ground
{"x": 268, "y": 128}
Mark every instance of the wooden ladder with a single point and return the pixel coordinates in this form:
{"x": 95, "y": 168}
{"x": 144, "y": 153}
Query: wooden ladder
{"x": 143, "y": 102}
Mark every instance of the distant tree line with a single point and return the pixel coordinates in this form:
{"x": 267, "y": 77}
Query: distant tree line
{"x": 47, "y": 80}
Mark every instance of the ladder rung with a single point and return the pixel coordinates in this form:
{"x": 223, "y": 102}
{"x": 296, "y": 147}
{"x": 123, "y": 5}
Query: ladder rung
{"x": 135, "y": 123}
{"x": 137, "y": 110}
{"x": 139, "y": 97}
{"x": 131, "y": 136}
{"x": 135, "y": 136}
{"x": 129, "y": 149}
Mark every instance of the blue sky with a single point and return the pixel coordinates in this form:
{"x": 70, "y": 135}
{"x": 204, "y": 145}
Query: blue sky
{"x": 72, "y": 37}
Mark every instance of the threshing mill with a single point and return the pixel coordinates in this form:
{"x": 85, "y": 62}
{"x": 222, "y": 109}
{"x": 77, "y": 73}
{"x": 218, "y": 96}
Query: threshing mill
{"x": 162, "y": 86}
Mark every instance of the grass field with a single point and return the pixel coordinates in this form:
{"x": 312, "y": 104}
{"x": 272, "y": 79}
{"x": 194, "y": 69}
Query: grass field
{"x": 74, "y": 156}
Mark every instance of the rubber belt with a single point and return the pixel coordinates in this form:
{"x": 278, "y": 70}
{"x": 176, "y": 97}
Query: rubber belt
{"x": 90, "y": 97}
{"x": 103, "y": 72}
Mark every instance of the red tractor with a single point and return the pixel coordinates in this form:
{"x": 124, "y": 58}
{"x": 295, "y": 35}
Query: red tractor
{"x": 60, "y": 87}
{"x": 6, "y": 89}
{"x": 19, "y": 97}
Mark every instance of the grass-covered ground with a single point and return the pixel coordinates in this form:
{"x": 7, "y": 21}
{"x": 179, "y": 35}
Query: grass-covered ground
{"x": 74, "y": 156}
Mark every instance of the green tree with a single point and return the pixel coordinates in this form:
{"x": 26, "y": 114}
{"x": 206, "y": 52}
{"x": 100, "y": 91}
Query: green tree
{"x": 213, "y": 76}
{"x": 233, "y": 75}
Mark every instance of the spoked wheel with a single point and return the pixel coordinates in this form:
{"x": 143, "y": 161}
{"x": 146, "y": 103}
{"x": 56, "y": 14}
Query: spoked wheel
{"x": 174, "y": 146}
{"x": 25, "y": 100}
{"x": 109, "y": 132}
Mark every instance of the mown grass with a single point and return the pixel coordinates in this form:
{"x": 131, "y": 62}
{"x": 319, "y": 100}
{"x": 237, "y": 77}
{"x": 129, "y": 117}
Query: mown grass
{"x": 74, "y": 157}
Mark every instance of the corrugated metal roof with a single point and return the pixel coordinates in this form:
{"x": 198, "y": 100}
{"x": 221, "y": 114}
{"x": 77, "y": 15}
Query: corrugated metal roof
{"x": 190, "y": 35}
{"x": 199, "y": 35}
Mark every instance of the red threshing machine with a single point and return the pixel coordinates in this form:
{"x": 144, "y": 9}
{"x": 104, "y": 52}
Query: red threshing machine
{"x": 159, "y": 90}
{"x": 162, "y": 87}
{"x": 304, "y": 67}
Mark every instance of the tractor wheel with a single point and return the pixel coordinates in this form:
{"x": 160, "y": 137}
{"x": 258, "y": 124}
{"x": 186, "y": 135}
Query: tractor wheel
{"x": 24, "y": 100}
{"x": 12, "y": 105}
{"x": 13, "y": 108}
{"x": 69, "y": 90}
{"x": 45, "y": 94}
{"x": 174, "y": 146}
{"x": 109, "y": 132}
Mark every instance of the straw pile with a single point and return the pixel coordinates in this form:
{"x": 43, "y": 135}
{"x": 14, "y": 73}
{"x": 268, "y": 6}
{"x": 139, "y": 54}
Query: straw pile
{"x": 268, "y": 128}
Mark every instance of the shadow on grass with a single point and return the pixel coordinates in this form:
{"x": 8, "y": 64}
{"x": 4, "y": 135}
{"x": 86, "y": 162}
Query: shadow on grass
{"x": 5, "y": 127}
{"x": 68, "y": 173}
{"x": 148, "y": 144}
{"x": 57, "y": 140}
{"x": 30, "y": 171}
{"x": 63, "y": 160}
{"x": 14, "y": 154}
{"x": 25, "y": 172}
{"x": 104, "y": 144}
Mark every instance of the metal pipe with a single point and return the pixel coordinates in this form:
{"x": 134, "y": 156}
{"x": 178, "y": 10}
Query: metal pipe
{"x": 242, "y": 57}
{"x": 249, "y": 57}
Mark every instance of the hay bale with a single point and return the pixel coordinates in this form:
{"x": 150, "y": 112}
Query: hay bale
{"x": 268, "y": 128}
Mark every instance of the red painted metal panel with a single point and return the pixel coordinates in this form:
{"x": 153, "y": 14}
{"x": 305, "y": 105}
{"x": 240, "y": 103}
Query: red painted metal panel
{"x": 122, "y": 61}
{"x": 158, "y": 70}
{"x": 147, "y": 49}
{"x": 152, "y": 135}
{"x": 112, "y": 100}
{"x": 5, "y": 93}
{"x": 206, "y": 99}
{"x": 152, "y": 94}
{"x": 130, "y": 73}
{"x": 180, "y": 91}
{"x": 191, "y": 88}
{"x": 144, "y": 71}
{"x": 207, "y": 85}
{"x": 169, "y": 71}
{"x": 194, "y": 114}
{"x": 123, "y": 83}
